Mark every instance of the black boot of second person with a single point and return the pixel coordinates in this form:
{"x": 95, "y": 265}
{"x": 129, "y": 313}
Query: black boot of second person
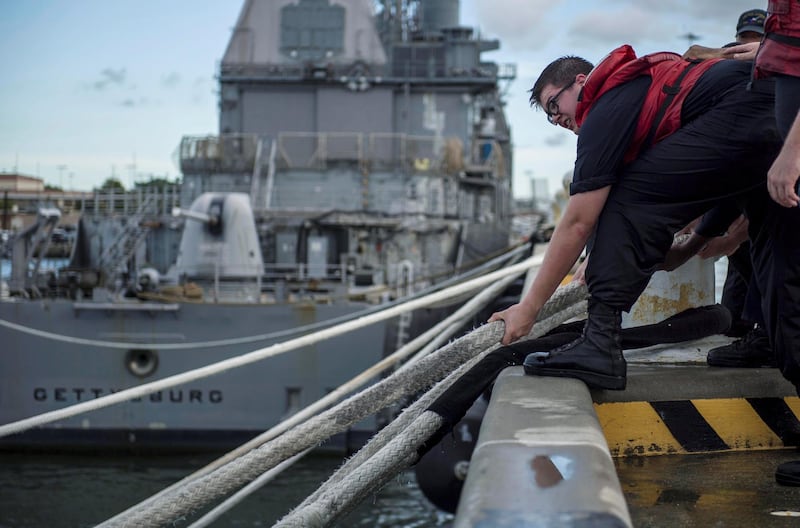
{"x": 594, "y": 358}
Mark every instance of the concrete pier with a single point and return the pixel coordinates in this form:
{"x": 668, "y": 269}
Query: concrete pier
{"x": 541, "y": 460}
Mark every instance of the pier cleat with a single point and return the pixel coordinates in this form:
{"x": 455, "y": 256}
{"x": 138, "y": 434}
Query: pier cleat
{"x": 594, "y": 358}
{"x": 751, "y": 351}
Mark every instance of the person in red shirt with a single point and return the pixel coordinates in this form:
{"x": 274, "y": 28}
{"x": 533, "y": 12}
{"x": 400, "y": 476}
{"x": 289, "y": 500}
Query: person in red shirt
{"x": 633, "y": 189}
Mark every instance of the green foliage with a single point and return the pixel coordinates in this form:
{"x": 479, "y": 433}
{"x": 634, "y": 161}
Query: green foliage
{"x": 112, "y": 184}
{"x": 157, "y": 183}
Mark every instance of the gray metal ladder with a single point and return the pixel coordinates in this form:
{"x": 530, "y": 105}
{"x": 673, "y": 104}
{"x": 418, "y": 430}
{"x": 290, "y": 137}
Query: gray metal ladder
{"x": 125, "y": 245}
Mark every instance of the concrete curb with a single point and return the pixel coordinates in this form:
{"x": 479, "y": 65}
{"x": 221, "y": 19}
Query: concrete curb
{"x": 541, "y": 460}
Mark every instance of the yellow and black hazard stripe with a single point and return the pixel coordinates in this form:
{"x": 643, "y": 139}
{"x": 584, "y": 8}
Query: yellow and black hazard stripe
{"x": 696, "y": 426}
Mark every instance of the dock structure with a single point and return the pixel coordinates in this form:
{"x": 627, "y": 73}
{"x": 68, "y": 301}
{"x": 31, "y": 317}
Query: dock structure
{"x": 541, "y": 460}
{"x": 550, "y": 450}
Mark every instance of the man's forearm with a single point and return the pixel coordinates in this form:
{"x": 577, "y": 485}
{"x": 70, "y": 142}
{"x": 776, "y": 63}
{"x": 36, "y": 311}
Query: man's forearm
{"x": 565, "y": 247}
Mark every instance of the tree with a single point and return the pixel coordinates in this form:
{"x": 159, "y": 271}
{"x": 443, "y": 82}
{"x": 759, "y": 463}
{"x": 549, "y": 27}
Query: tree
{"x": 157, "y": 183}
{"x": 112, "y": 184}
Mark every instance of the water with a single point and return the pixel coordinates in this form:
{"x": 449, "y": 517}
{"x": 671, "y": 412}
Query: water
{"x": 83, "y": 490}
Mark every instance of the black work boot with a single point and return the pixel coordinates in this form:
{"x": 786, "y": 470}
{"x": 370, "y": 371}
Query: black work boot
{"x": 594, "y": 358}
{"x": 750, "y": 351}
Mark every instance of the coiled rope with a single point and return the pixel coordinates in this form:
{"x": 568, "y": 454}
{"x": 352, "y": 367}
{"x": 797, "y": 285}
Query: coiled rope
{"x": 428, "y": 371}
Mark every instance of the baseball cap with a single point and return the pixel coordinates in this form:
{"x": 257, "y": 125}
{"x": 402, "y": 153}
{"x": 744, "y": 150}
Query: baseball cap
{"x": 752, "y": 20}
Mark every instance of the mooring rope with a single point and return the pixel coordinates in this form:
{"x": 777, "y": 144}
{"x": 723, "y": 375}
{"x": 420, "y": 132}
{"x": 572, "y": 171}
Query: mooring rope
{"x": 395, "y": 445}
{"x": 246, "y": 491}
{"x": 445, "y": 327}
{"x": 248, "y": 467}
{"x": 263, "y": 353}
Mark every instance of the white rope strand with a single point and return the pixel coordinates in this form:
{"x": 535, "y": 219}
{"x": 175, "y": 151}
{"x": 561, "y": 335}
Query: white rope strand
{"x": 462, "y": 313}
{"x": 379, "y": 460}
{"x": 248, "y": 467}
{"x": 239, "y": 472}
{"x": 242, "y": 494}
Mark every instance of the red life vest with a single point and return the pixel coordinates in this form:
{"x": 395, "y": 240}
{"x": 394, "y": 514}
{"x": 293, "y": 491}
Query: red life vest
{"x": 672, "y": 80}
{"x": 780, "y": 47}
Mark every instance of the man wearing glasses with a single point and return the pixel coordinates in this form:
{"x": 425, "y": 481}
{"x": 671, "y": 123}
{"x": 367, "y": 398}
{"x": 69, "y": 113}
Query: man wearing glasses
{"x": 644, "y": 169}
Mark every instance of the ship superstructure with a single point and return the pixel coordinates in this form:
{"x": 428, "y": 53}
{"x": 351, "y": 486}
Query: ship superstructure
{"x": 370, "y": 141}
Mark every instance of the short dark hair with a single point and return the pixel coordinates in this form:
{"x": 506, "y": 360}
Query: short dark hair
{"x": 559, "y": 73}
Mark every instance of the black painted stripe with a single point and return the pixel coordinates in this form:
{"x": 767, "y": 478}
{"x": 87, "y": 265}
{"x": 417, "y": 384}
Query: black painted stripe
{"x": 778, "y": 417}
{"x": 688, "y": 426}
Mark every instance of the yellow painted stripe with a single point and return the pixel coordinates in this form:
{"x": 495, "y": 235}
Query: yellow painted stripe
{"x": 737, "y": 424}
{"x": 793, "y": 402}
{"x": 635, "y": 429}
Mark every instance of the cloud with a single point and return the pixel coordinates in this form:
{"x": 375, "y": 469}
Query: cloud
{"x": 171, "y": 80}
{"x": 520, "y": 24}
{"x": 110, "y": 77}
{"x": 133, "y": 103}
{"x": 608, "y": 28}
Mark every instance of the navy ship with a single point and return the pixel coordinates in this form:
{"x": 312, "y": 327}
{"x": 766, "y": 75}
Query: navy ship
{"x": 363, "y": 155}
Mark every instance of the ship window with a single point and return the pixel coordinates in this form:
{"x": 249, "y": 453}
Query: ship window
{"x": 292, "y": 401}
{"x": 312, "y": 30}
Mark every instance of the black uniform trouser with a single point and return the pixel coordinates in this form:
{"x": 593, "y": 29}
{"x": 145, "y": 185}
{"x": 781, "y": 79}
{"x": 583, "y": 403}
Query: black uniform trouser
{"x": 776, "y": 254}
{"x": 724, "y": 153}
{"x": 734, "y": 291}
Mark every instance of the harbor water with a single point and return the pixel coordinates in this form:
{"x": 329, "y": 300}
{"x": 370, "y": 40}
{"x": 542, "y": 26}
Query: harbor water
{"x": 73, "y": 491}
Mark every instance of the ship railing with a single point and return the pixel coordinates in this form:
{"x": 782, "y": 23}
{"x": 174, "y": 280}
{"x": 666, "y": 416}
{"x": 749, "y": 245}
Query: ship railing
{"x": 315, "y": 150}
{"x": 507, "y": 71}
{"x": 401, "y": 71}
{"x": 318, "y": 150}
{"x": 235, "y": 152}
{"x": 158, "y": 200}
{"x": 300, "y": 272}
{"x": 344, "y": 273}
{"x": 488, "y": 158}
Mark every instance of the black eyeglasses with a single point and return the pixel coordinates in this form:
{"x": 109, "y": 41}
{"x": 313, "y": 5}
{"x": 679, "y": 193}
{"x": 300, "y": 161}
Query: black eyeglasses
{"x": 551, "y": 108}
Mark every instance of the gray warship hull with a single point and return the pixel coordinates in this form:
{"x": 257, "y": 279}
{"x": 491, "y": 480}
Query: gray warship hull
{"x": 42, "y": 374}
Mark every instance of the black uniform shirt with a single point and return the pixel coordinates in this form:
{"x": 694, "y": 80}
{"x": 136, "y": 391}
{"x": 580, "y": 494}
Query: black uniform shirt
{"x": 609, "y": 127}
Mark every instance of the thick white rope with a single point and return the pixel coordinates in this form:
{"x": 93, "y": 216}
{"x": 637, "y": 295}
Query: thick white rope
{"x": 393, "y": 458}
{"x": 393, "y": 449}
{"x": 263, "y": 353}
{"x": 392, "y": 430}
{"x": 248, "y": 467}
{"x": 246, "y": 491}
{"x": 450, "y": 324}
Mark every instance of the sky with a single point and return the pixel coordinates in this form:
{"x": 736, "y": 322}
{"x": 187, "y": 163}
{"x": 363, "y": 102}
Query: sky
{"x": 97, "y": 88}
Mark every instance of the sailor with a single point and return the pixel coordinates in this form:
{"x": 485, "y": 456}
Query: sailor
{"x": 779, "y": 58}
{"x": 661, "y": 141}
{"x": 716, "y": 236}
